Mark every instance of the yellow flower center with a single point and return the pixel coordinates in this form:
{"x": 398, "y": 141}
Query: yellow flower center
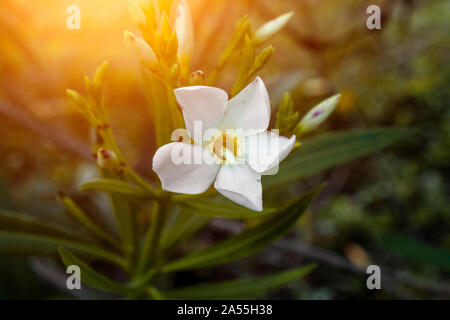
{"x": 226, "y": 148}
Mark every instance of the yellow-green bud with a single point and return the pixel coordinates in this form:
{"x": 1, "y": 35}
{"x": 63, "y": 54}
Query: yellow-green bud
{"x": 264, "y": 56}
{"x": 182, "y": 24}
{"x": 175, "y": 72}
{"x": 76, "y": 97}
{"x": 271, "y": 28}
{"x": 141, "y": 50}
{"x": 196, "y": 78}
{"x": 317, "y": 115}
{"x": 107, "y": 159}
{"x": 99, "y": 77}
{"x": 136, "y": 13}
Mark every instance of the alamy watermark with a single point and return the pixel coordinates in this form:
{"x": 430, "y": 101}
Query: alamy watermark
{"x": 74, "y": 280}
{"x": 374, "y": 280}
{"x": 374, "y": 20}
{"x": 74, "y": 19}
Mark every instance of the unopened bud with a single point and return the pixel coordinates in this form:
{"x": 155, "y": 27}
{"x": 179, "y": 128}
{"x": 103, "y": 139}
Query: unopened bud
{"x": 136, "y": 13}
{"x": 107, "y": 159}
{"x": 164, "y": 26}
{"x": 271, "y": 28}
{"x": 196, "y": 78}
{"x": 264, "y": 56}
{"x": 317, "y": 115}
{"x": 175, "y": 71}
{"x": 99, "y": 77}
{"x": 182, "y": 23}
{"x": 141, "y": 50}
{"x": 76, "y": 97}
{"x": 172, "y": 45}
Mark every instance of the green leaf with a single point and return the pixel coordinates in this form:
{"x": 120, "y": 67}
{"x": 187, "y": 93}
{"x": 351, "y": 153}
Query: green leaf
{"x": 27, "y": 243}
{"x": 249, "y": 241}
{"x": 86, "y": 221}
{"x": 238, "y": 289}
{"x": 181, "y": 226}
{"x": 124, "y": 218}
{"x": 326, "y": 151}
{"x": 116, "y": 186}
{"x": 15, "y": 221}
{"x": 218, "y": 206}
{"x": 89, "y": 276}
{"x": 414, "y": 250}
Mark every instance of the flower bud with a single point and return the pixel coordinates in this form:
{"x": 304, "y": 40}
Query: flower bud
{"x": 317, "y": 115}
{"x": 136, "y": 13}
{"x": 263, "y": 57}
{"x": 196, "y": 78}
{"x": 76, "y": 97}
{"x": 182, "y": 23}
{"x": 172, "y": 45}
{"x": 164, "y": 26}
{"x": 141, "y": 50}
{"x": 269, "y": 29}
{"x": 107, "y": 159}
{"x": 99, "y": 77}
{"x": 174, "y": 72}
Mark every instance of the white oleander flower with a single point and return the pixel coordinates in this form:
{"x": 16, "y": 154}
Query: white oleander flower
{"x": 231, "y": 145}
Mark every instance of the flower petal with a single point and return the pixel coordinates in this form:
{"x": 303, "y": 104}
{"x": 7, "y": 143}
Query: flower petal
{"x": 266, "y": 150}
{"x": 240, "y": 184}
{"x": 201, "y": 103}
{"x": 249, "y": 109}
{"x": 184, "y": 168}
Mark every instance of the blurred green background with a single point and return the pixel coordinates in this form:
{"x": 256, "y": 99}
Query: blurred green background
{"x": 390, "y": 209}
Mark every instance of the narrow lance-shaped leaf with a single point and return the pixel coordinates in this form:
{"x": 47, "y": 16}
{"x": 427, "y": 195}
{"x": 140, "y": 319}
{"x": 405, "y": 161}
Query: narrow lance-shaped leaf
{"x": 15, "y": 221}
{"x": 414, "y": 250}
{"x": 43, "y": 245}
{"x": 249, "y": 241}
{"x": 218, "y": 206}
{"x": 89, "y": 276}
{"x": 84, "y": 219}
{"x": 326, "y": 151}
{"x": 180, "y": 226}
{"x": 115, "y": 186}
{"x": 238, "y": 289}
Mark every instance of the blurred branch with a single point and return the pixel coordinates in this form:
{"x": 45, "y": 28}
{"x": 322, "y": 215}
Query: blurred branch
{"x": 304, "y": 249}
{"x": 61, "y": 138}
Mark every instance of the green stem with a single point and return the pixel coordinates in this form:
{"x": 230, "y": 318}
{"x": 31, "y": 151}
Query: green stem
{"x": 124, "y": 220}
{"x": 158, "y": 220}
{"x": 154, "y": 293}
{"x": 148, "y": 242}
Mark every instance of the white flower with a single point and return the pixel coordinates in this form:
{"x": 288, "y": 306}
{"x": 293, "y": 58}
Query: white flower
{"x": 234, "y": 145}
